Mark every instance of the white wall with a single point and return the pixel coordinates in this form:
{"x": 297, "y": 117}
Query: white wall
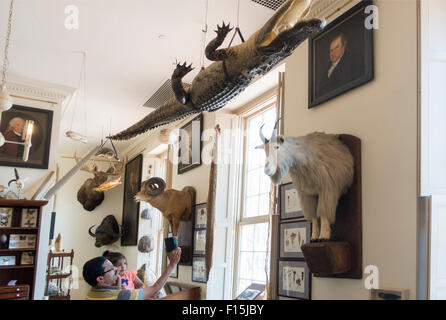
{"x": 33, "y": 93}
{"x": 383, "y": 114}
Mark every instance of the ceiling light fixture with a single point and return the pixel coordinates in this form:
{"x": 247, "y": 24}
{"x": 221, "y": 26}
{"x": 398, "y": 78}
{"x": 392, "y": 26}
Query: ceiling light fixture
{"x": 5, "y": 98}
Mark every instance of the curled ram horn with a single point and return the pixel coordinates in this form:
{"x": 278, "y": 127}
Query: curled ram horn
{"x": 154, "y": 186}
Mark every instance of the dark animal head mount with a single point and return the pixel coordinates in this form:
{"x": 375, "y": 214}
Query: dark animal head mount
{"x": 107, "y": 232}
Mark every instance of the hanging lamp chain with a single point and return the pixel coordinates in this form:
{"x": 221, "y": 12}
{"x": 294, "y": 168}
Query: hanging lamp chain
{"x": 8, "y": 36}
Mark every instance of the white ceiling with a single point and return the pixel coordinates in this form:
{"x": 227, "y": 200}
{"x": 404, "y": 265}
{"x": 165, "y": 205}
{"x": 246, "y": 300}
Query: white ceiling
{"x": 126, "y": 59}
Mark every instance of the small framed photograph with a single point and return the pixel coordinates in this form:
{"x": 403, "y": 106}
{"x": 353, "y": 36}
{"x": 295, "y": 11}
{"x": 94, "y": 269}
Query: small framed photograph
{"x": 5, "y": 217}
{"x": 189, "y": 151}
{"x": 341, "y": 56}
{"x": 7, "y": 260}
{"x": 27, "y": 258}
{"x": 290, "y": 207}
{"x": 252, "y": 292}
{"x": 294, "y": 279}
{"x": 199, "y": 269}
{"x": 30, "y": 241}
{"x": 29, "y": 217}
{"x": 200, "y": 215}
{"x": 389, "y": 294}
{"x": 174, "y": 273}
{"x": 199, "y": 241}
{"x": 292, "y": 236}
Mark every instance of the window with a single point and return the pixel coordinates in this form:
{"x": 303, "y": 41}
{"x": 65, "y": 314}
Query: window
{"x": 252, "y": 225}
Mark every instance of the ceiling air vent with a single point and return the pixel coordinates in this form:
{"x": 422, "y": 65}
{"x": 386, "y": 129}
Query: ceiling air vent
{"x": 271, "y": 4}
{"x": 163, "y": 94}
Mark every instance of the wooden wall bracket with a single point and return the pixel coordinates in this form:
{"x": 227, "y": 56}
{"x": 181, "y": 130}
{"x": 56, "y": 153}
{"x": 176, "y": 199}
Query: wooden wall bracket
{"x": 341, "y": 257}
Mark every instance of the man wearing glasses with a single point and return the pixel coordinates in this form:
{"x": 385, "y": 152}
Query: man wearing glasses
{"x": 102, "y": 275}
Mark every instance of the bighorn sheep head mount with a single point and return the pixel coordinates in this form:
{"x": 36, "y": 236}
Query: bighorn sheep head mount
{"x": 321, "y": 168}
{"x": 175, "y": 205}
{"x": 90, "y": 195}
{"x": 107, "y": 232}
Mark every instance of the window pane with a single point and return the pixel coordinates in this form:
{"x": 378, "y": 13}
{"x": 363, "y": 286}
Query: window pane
{"x": 253, "y": 131}
{"x": 256, "y": 158}
{"x": 265, "y": 183}
{"x": 263, "y": 205}
{"x": 253, "y": 180}
{"x": 259, "y": 267}
{"x": 252, "y": 207}
{"x": 246, "y": 265}
{"x": 247, "y": 238}
{"x": 260, "y": 236}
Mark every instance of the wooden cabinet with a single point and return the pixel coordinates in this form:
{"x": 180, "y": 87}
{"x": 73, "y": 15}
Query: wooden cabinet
{"x": 14, "y": 292}
{"x": 57, "y": 273}
{"x": 20, "y": 222}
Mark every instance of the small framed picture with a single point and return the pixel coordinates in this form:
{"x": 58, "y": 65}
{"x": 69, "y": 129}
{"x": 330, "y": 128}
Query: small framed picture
{"x": 294, "y": 279}
{"x": 7, "y": 260}
{"x": 3, "y": 241}
{"x": 200, "y": 215}
{"x": 174, "y": 273}
{"x": 190, "y": 144}
{"x": 22, "y": 241}
{"x": 199, "y": 269}
{"x": 27, "y": 258}
{"x": 292, "y": 236}
{"x": 252, "y": 292}
{"x": 290, "y": 207}
{"x": 5, "y": 217}
{"x": 200, "y": 241}
{"x": 29, "y": 217}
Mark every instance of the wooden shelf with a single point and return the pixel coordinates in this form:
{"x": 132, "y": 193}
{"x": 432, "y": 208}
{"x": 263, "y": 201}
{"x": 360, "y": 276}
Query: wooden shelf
{"x": 12, "y": 250}
{"x": 59, "y": 276}
{"x": 22, "y": 203}
{"x": 19, "y": 228}
{"x": 30, "y": 266}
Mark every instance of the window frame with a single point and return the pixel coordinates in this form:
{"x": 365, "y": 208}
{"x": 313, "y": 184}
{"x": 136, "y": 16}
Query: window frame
{"x": 268, "y": 102}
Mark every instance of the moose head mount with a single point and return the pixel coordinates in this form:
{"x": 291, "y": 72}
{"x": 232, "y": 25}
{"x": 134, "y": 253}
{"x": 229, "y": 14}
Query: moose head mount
{"x": 90, "y": 195}
{"x": 107, "y": 232}
{"x": 175, "y": 205}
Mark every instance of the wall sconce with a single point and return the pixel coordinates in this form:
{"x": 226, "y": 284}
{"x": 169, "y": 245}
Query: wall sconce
{"x": 26, "y": 135}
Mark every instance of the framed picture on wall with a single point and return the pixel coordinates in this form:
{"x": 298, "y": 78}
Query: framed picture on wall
{"x": 200, "y": 215}
{"x": 13, "y": 127}
{"x": 200, "y": 241}
{"x": 292, "y": 236}
{"x": 130, "y": 210}
{"x": 199, "y": 269}
{"x": 189, "y": 151}
{"x": 290, "y": 207}
{"x": 294, "y": 279}
{"x": 341, "y": 56}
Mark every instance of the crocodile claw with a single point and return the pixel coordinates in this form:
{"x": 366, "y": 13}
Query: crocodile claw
{"x": 223, "y": 30}
{"x": 182, "y": 69}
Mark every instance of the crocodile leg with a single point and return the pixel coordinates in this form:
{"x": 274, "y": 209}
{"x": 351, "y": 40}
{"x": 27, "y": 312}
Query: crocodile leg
{"x": 211, "y": 49}
{"x": 177, "y": 85}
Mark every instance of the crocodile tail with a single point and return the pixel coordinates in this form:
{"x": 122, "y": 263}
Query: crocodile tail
{"x": 169, "y": 112}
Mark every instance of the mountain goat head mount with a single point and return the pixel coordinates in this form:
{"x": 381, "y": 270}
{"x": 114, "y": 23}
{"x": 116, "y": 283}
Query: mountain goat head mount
{"x": 107, "y": 232}
{"x": 175, "y": 205}
{"x": 321, "y": 168}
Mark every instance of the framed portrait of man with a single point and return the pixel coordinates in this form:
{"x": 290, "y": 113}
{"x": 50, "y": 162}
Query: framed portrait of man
{"x": 13, "y": 128}
{"x": 341, "y": 56}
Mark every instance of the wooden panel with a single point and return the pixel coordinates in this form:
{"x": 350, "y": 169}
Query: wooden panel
{"x": 14, "y": 292}
{"x": 21, "y": 203}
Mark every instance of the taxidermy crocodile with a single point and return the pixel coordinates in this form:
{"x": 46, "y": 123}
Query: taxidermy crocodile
{"x": 233, "y": 68}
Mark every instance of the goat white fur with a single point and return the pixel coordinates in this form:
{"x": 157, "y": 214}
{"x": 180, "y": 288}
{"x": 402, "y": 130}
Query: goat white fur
{"x": 321, "y": 168}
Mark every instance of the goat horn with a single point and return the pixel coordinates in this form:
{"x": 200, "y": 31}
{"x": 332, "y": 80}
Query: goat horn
{"x": 161, "y": 185}
{"x": 91, "y": 233}
{"x": 262, "y": 137}
{"x": 273, "y": 136}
